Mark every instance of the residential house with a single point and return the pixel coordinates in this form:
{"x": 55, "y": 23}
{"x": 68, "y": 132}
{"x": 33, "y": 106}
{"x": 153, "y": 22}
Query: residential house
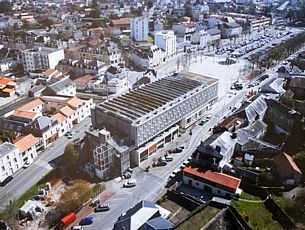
{"x": 284, "y": 119}
{"x": 297, "y": 86}
{"x": 286, "y": 169}
{"x": 64, "y": 87}
{"x": 253, "y": 109}
{"x": 10, "y": 160}
{"x": 122, "y": 23}
{"x": 7, "y": 87}
{"x": 81, "y": 67}
{"x": 147, "y": 57}
{"x": 214, "y": 35}
{"x": 231, "y": 29}
{"x": 28, "y": 146}
{"x": 225, "y": 144}
{"x": 184, "y": 31}
{"x": 217, "y": 183}
{"x": 82, "y": 83}
{"x": 46, "y": 128}
{"x": 144, "y": 215}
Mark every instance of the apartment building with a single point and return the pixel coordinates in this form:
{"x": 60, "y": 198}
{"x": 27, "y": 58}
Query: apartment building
{"x": 10, "y": 160}
{"x": 147, "y": 118}
{"x": 139, "y": 29}
{"x": 41, "y": 58}
{"x": 166, "y": 40}
{"x": 28, "y": 146}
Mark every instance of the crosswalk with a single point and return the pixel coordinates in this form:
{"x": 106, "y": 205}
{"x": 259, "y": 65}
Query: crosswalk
{"x": 45, "y": 164}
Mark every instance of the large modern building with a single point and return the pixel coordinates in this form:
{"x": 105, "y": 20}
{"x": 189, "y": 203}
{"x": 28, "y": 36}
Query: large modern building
{"x": 149, "y": 117}
{"x": 41, "y": 58}
{"x": 139, "y": 29}
{"x": 166, "y": 40}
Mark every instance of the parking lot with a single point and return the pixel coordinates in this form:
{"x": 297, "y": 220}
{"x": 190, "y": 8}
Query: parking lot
{"x": 258, "y": 44}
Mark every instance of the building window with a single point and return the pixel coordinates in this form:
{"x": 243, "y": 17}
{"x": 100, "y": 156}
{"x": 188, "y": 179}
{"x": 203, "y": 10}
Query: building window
{"x": 188, "y": 120}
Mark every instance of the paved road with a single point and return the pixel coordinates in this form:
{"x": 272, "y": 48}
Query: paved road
{"x": 44, "y": 163}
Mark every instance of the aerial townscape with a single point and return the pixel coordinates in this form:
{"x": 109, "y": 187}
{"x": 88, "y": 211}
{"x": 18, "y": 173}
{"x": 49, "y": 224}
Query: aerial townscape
{"x": 152, "y": 114}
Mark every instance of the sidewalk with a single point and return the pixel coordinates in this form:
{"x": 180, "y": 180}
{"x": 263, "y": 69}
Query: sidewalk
{"x": 86, "y": 209}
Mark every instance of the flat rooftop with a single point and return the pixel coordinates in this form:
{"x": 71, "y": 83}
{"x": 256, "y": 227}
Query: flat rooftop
{"x": 136, "y": 105}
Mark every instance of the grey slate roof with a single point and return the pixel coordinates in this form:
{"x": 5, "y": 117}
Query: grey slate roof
{"x": 213, "y": 32}
{"x": 6, "y": 148}
{"x": 244, "y": 134}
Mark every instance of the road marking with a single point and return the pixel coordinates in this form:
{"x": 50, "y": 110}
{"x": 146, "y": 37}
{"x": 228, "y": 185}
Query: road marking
{"x": 45, "y": 164}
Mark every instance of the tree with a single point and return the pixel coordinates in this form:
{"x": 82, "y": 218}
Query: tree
{"x": 71, "y": 158}
{"x": 26, "y": 25}
{"x": 74, "y": 197}
{"x": 95, "y": 13}
{"x": 75, "y": 8}
{"x": 47, "y": 22}
{"x": 300, "y": 160}
{"x": 5, "y": 7}
{"x": 188, "y": 9}
{"x": 150, "y": 4}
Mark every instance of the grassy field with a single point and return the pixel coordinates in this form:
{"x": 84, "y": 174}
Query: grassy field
{"x": 199, "y": 220}
{"x": 248, "y": 196}
{"x": 290, "y": 207}
{"x": 257, "y": 216}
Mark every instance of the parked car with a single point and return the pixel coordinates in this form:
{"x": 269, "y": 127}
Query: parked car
{"x": 67, "y": 134}
{"x": 102, "y": 208}
{"x": 129, "y": 184}
{"x": 77, "y": 227}
{"x": 169, "y": 158}
{"x": 6, "y": 181}
{"x": 86, "y": 221}
{"x": 177, "y": 150}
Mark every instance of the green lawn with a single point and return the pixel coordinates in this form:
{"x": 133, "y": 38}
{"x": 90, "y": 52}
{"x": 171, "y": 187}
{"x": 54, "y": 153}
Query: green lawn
{"x": 257, "y": 216}
{"x": 199, "y": 220}
{"x": 248, "y": 196}
{"x": 290, "y": 207}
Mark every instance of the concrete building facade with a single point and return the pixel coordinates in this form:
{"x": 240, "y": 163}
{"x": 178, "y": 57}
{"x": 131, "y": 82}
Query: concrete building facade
{"x": 166, "y": 40}
{"x": 139, "y": 29}
{"x": 143, "y": 114}
{"x": 41, "y": 58}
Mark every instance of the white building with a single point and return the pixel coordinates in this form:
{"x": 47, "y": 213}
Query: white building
{"x": 219, "y": 184}
{"x": 10, "y": 160}
{"x": 41, "y": 58}
{"x": 166, "y": 40}
{"x": 27, "y": 146}
{"x": 139, "y": 29}
{"x": 147, "y": 57}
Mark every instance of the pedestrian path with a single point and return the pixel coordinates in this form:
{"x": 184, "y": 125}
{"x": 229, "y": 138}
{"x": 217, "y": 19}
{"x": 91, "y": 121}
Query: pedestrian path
{"x": 44, "y": 164}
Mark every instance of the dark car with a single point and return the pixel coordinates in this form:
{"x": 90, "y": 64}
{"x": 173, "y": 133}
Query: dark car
{"x": 102, "y": 208}
{"x": 159, "y": 163}
{"x": 86, "y": 221}
{"x": 6, "y": 180}
{"x": 177, "y": 150}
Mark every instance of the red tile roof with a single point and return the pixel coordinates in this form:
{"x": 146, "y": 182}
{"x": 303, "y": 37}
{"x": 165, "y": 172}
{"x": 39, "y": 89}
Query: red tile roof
{"x": 286, "y": 163}
{"x": 121, "y": 21}
{"x": 26, "y": 142}
{"x": 215, "y": 177}
{"x": 31, "y": 105}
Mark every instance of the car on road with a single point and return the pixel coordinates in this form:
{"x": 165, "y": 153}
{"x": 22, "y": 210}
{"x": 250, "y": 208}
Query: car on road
{"x": 6, "y": 181}
{"x": 102, "y": 208}
{"x": 67, "y": 134}
{"x": 169, "y": 158}
{"x": 159, "y": 163}
{"x": 71, "y": 134}
{"x": 95, "y": 202}
{"x": 86, "y": 221}
{"x": 77, "y": 227}
{"x": 130, "y": 183}
{"x": 177, "y": 150}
